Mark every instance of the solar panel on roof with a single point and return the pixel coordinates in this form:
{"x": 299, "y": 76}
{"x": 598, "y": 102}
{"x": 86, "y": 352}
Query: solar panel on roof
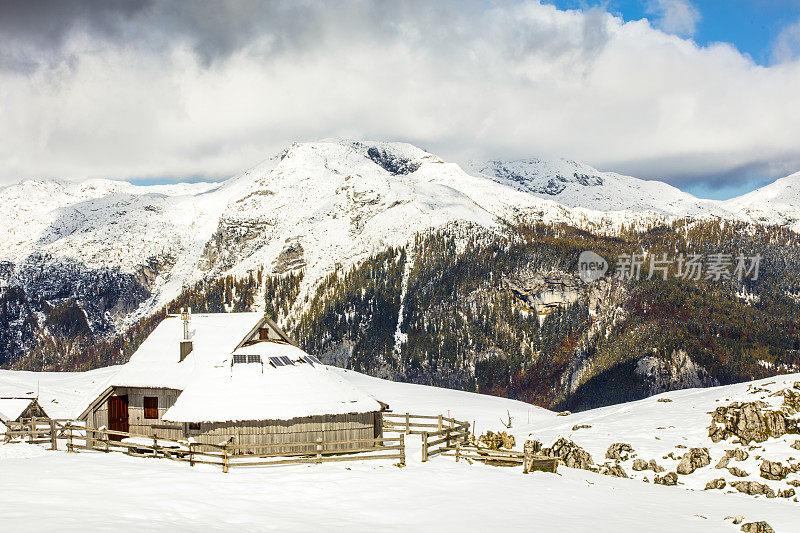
{"x": 311, "y": 359}
{"x": 280, "y": 361}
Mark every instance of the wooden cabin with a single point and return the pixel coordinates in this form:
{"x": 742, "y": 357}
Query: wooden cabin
{"x": 19, "y": 409}
{"x": 232, "y": 377}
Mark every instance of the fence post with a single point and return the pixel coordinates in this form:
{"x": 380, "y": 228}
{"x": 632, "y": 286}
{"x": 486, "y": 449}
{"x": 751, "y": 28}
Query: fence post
{"x": 319, "y": 450}
{"x": 458, "y": 451}
{"x": 440, "y": 422}
{"x": 104, "y": 436}
{"x": 225, "y": 458}
{"x": 155, "y": 445}
{"x": 402, "y": 450}
{"x": 408, "y": 424}
{"x": 526, "y": 460}
{"x": 424, "y": 446}
{"x": 191, "y": 454}
{"x": 33, "y": 429}
{"x": 53, "y": 435}
{"x": 69, "y": 437}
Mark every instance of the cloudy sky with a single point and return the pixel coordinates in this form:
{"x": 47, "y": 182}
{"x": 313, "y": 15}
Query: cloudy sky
{"x": 703, "y": 94}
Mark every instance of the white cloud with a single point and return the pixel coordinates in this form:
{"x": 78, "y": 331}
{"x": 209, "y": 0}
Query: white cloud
{"x": 787, "y": 44}
{"x": 515, "y": 80}
{"x": 675, "y": 16}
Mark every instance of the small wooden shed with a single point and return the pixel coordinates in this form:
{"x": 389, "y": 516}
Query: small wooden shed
{"x": 18, "y": 409}
{"x": 232, "y": 377}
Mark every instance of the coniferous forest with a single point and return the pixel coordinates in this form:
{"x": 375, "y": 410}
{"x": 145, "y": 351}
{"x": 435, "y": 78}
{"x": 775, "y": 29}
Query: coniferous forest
{"x": 499, "y": 312}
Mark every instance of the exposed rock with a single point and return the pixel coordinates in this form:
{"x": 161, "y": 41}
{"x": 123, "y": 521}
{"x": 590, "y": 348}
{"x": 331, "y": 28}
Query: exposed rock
{"x": 718, "y": 483}
{"x": 753, "y": 488}
{"x": 791, "y": 399}
{"x": 564, "y": 413}
{"x": 652, "y": 465}
{"x": 580, "y": 426}
{"x": 572, "y": 455}
{"x": 740, "y": 455}
{"x": 664, "y": 400}
{"x": 723, "y": 462}
{"x": 794, "y": 483}
{"x": 773, "y": 470}
{"x": 497, "y": 441}
{"x": 619, "y": 450}
{"x": 788, "y": 493}
{"x": 639, "y": 465}
{"x": 757, "y": 527}
{"x": 738, "y": 472}
{"x": 613, "y": 470}
{"x": 667, "y": 479}
{"x": 795, "y": 445}
{"x": 749, "y": 421}
{"x": 738, "y": 519}
{"x": 692, "y": 460}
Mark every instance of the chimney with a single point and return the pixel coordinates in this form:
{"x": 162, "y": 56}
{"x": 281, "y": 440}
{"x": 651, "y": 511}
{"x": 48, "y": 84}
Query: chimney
{"x": 186, "y": 343}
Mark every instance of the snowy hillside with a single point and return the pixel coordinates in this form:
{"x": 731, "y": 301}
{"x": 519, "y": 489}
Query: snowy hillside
{"x": 164, "y": 495}
{"x": 776, "y": 203}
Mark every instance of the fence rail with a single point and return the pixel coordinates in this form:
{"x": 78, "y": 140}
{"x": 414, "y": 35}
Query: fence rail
{"x": 435, "y": 430}
{"x": 226, "y": 455}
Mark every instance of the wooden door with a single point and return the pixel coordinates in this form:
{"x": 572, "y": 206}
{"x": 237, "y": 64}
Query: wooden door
{"x": 118, "y": 415}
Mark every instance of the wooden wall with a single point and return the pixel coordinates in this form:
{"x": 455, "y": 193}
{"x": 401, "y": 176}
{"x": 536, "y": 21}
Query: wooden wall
{"x": 305, "y": 429}
{"x": 137, "y": 423}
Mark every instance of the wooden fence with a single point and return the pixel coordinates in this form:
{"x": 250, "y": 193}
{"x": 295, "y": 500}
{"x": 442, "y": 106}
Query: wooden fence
{"x": 439, "y": 433}
{"x": 446, "y": 436}
{"x": 529, "y": 462}
{"x": 226, "y": 455}
{"x": 37, "y": 431}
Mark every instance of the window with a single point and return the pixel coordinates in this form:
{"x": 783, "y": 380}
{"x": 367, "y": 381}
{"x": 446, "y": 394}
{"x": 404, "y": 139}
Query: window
{"x": 151, "y": 407}
{"x": 194, "y": 426}
{"x": 263, "y": 333}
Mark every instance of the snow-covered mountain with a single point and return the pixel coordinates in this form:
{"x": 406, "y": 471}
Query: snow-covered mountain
{"x": 776, "y": 203}
{"x": 318, "y": 205}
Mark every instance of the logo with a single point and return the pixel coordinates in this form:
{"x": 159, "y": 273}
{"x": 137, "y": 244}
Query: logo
{"x": 591, "y": 266}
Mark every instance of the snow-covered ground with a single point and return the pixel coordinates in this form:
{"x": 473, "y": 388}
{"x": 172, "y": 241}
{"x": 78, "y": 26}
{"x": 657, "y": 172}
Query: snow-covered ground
{"x": 96, "y": 491}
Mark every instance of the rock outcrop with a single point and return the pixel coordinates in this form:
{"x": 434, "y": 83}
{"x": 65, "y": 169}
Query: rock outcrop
{"x": 757, "y": 527}
{"x": 667, "y": 479}
{"x": 750, "y": 422}
{"x": 692, "y": 460}
{"x": 572, "y": 455}
{"x": 753, "y": 488}
{"x": 773, "y": 470}
{"x": 619, "y": 451}
{"x": 718, "y": 483}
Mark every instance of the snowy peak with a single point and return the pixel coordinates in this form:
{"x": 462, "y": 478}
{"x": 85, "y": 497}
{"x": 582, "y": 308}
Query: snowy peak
{"x": 574, "y": 184}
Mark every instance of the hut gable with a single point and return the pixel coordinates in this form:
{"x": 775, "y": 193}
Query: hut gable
{"x": 15, "y": 409}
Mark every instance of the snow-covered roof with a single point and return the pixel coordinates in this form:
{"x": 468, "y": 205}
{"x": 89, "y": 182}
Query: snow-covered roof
{"x": 216, "y": 390}
{"x": 12, "y": 408}
{"x": 157, "y": 362}
{"x": 261, "y": 391}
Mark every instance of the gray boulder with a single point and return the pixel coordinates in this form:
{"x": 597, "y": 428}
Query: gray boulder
{"x": 692, "y": 460}
{"x": 667, "y": 479}
{"x": 718, "y": 483}
{"x": 619, "y": 451}
{"x": 773, "y": 470}
{"x": 753, "y": 488}
{"x": 757, "y": 527}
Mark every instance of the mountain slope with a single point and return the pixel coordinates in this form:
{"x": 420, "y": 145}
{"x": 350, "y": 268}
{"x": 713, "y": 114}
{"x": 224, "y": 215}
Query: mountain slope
{"x": 577, "y": 185}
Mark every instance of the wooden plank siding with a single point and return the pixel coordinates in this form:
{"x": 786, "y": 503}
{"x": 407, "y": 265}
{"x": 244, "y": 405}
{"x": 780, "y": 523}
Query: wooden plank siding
{"x": 305, "y": 429}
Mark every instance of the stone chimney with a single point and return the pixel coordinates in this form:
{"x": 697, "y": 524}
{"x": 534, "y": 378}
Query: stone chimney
{"x": 186, "y": 343}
